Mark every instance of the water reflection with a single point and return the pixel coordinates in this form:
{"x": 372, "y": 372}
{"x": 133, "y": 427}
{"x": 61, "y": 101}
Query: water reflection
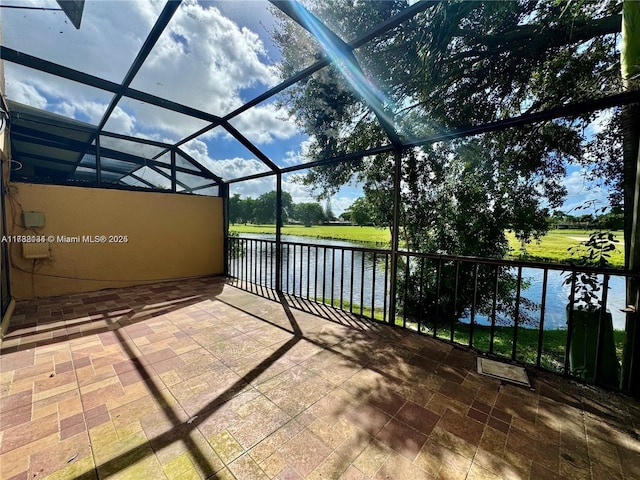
{"x": 557, "y": 298}
{"x": 345, "y": 277}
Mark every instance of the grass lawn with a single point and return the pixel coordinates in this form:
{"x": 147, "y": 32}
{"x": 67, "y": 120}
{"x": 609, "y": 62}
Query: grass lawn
{"x": 553, "y": 342}
{"x": 555, "y": 244}
{"x": 552, "y": 247}
{"x": 379, "y": 236}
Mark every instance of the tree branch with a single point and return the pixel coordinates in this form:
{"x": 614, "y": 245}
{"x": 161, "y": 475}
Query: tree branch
{"x": 564, "y": 34}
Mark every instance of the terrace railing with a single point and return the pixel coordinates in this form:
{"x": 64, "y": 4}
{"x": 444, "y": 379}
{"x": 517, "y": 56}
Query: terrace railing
{"x": 520, "y": 310}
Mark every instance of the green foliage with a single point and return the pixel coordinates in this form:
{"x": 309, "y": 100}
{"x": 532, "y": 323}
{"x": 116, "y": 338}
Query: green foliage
{"x": 308, "y": 214}
{"x": 236, "y": 249}
{"x": 241, "y": 210}
{"x": 613, "y": 220}
{"x": 360, "y": 212}
{"x": 630, "y": 51}
{"x": 553, "y": 341}
{"x": 259, "y": 210}
{"x": 595, "y": 251}
{"x": 451, "y": 298}
{"x": 346, "y": 216}
{"x": 264, "y": 210}
{"x": 457, "y": 64}
{"x": 554, "y": 246}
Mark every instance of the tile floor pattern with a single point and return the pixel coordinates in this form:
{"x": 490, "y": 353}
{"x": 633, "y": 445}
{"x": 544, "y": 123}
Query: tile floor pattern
{"x": 199, "y": 379}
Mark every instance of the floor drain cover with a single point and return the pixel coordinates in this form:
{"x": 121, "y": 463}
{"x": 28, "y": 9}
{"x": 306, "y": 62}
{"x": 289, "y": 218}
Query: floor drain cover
{"x": 503, "y": 371}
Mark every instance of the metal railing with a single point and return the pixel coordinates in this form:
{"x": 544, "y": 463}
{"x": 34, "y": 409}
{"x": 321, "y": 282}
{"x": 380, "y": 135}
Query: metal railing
{"x": 343, "y": 277}
{"x": 521, "y": 310}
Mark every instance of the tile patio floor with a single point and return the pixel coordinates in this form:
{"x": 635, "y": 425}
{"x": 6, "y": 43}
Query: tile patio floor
{"x": 199, "y": 379}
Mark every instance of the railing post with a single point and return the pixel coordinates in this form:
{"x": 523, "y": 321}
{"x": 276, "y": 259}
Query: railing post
{"x": 572, "y": 301}
{"x": 395, "y": 233}
{"x": 474, "y": 299}
{"x": 516, "y": 316}
{"x": 597, "y": 376}
{"x": 223, "y": 191}
{"x": 438, "y": 283}
{"x": 494, "y": 308}
{"x": 543, "y": 306}
{"x": 278, "y": 232}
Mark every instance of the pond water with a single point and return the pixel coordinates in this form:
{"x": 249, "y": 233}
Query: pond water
{"x": 316, "y": 272}
{"x": 558, "y": 294}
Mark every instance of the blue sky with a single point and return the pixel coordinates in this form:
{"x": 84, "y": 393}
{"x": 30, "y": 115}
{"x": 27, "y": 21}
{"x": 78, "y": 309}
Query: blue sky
{"x": 214, "y": 56}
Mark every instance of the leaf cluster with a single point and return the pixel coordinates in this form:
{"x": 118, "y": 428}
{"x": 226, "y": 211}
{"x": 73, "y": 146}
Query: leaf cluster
{"x": 595, "y": 251}
{"x": 459, "y": 64}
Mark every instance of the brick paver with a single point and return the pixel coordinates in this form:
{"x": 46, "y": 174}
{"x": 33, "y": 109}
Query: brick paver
{"x": 200, "y": 379}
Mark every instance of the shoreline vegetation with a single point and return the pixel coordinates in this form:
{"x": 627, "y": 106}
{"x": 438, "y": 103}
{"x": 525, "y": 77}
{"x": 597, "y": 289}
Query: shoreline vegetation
{"x": 553, "y": 344}
{"x": 553, "y": 247}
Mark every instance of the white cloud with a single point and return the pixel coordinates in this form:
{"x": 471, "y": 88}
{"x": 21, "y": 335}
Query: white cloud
{"x": 253, "y": 188}
{"x": 257, "y": 18}
{"x": 237, "y": 167}
{"x": 92, "y": 110}
{"x": 107, "y": 42}
{"x": 139, "y": 149}
{"x": 227, "y": 168}
{"x": 263, "y": 124}
{"x": 296, "y": 157}
{"x": 121, "y": 122}
{"x": 65, "y": 108}
{"x": 299, "y": 193}
{"x": 203, "y": 60}
{"x": 26, "y": 93}
{"x": 54, "y": 94}
{"x": 340, "y": 203}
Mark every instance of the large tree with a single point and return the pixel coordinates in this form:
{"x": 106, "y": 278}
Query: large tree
{"x": 459, "y": 64}
{"x": 241, "y": 210}
{"x": 308, "y": 213}
{"x": 235, "y": 209}
{"x": 264, "y": 210}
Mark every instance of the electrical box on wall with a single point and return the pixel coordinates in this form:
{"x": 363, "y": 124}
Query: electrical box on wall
{"x": 33, "y": 251}
{"x": 32, "y": 219}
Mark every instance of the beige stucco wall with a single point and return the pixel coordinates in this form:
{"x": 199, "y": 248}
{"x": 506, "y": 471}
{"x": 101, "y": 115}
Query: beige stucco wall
{"x": 168, "y": 236}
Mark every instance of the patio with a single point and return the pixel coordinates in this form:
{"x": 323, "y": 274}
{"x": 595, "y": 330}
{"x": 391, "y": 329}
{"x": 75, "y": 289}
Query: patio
{"x": 200, "y": 379}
